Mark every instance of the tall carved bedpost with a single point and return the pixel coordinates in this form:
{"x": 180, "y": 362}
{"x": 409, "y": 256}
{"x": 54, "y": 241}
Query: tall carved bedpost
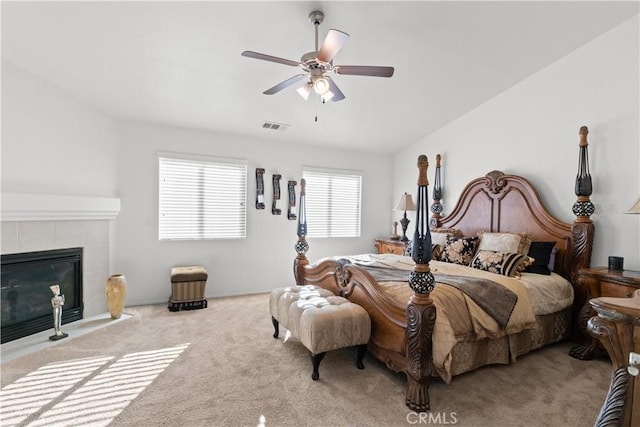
{"x": 421, "y": 312}
{"x": 301, "y": 245}
{"x": 582, "y": 230}
{"x": 436, "y": 207}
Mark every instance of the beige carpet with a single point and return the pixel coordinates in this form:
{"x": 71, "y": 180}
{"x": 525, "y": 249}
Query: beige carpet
{"x": 220, "y": 366}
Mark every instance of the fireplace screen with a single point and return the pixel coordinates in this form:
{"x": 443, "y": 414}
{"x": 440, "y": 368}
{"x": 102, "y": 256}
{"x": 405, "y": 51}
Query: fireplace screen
{"x": 26, "y": 297}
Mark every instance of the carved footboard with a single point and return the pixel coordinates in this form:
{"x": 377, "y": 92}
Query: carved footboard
{"x": 388, "y": 317}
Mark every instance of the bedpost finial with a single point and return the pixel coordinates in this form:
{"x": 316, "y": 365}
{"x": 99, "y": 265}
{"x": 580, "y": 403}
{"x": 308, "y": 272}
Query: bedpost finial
{"x": 438, "y": 157}
{"x": 584, "y": 131}
{"x": 423, "y": 164}
{"x": 583, "y": 208}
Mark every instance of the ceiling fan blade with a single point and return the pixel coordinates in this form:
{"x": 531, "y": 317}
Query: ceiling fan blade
{"x": 364, "y": 70}
{"x": 331, "y": 45}
{"x": 285, "y": 84}
{"x": 337, "y": 93}
{"x": 256, "y": 55}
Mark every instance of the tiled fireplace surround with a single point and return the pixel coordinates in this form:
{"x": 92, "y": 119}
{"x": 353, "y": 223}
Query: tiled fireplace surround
{"x": 91, "y": 235}
{"x": 36, "y": 223}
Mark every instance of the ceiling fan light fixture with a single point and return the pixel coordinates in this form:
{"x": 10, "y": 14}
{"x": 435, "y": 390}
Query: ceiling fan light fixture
{"x": 327, "y": 96}
{"x": 320, "y": 84}
{"x": 305, "y": 90}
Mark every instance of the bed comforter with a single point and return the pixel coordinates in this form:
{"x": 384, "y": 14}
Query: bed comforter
{"x": 461, "y": 319}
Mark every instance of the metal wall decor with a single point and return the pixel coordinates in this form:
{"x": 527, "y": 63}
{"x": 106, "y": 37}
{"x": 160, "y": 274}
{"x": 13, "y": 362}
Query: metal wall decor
{"x": 275, "y": 209}
{"x": 291, "y": 185}
{"x": 259, "y": 188}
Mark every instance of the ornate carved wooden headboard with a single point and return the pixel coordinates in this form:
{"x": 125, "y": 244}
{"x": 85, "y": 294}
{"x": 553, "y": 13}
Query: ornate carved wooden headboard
{"x": 499, "y": 202}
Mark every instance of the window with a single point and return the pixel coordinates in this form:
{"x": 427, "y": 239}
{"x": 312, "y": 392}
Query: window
{"x": 201, "y": 199}
{"x": 332, "y": 203}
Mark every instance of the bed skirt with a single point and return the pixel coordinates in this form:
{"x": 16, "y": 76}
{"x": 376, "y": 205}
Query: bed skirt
{"x": 470, "y": 355}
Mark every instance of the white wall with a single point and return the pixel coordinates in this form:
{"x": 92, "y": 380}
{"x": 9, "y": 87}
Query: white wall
{"x": 262, "y": 261}
{"x": 532, "y": 130}
{"x": 53, "y": 143}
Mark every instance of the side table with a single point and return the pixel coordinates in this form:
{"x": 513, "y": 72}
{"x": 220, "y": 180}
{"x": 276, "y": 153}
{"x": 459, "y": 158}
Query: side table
{"x": 600, "y": 282}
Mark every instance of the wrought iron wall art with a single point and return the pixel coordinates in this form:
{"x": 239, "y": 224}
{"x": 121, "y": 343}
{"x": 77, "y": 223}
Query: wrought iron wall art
{"x": 259, "y": 188}
{"x": 291, "y": 185}
{"x": 275, "y": 209}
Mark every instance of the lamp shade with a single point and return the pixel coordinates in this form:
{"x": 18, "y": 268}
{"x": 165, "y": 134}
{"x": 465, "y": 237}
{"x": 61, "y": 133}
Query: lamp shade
{"x": 635, "y": 209}
{"x": 406, "y": 203}
{"x": 320, "y": 84}
{"x": 305, "y": 90}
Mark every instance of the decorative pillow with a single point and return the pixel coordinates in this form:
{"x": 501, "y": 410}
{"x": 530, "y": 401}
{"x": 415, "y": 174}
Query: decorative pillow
{"x": 552, "y": 258}
{"x": 505, "y": 242}
{"x": 439, "y": 235}
{"x": 459, "y": 250}
{"x": 504, "y": 263}
{"x": 541, "y": 252}
{"x": 436, "y": 251}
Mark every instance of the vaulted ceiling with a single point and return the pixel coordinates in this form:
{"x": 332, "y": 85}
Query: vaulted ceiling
{"x": 179, "y": 63}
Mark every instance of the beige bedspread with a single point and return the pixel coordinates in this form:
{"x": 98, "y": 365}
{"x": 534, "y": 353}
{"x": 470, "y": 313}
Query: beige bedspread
{"x": 458, "y": 318}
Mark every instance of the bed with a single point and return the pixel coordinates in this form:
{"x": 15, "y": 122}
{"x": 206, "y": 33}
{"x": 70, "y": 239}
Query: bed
{"x": 414, "y": 308}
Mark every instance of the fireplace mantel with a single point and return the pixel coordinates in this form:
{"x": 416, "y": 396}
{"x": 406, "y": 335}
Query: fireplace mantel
{"x": 44, "y": 207}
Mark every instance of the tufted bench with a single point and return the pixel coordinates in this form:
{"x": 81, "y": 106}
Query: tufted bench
{"x": 321, "y": 321}
{"x": 187, "y": 287}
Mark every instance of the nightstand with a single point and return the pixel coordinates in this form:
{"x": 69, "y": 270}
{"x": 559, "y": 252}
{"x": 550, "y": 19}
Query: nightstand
{"x": 601, "y": 282}
{"x": 389, "y": 246}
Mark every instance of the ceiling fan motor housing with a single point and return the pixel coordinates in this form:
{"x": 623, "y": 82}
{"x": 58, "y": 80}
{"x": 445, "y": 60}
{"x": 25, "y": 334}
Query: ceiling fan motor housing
{"x": 316, "y": 17}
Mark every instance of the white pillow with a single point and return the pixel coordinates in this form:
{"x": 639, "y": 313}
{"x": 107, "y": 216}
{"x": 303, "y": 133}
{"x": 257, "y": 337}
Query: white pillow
{"x": 439, "y": 235}
{"x": 505, "y": 242}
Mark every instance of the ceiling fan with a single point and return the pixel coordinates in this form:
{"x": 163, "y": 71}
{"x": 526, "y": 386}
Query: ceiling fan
{"x": 318, "y": 64}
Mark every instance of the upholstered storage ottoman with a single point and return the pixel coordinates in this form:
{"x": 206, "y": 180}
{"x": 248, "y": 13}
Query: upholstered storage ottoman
{"x": 187, "y": 287}
{"x": 321, "y": 321}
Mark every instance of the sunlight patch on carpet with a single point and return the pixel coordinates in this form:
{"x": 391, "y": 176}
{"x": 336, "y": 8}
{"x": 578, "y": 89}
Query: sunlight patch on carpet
{"x": 97, "y": 401}
{"x": 39, "y": 388}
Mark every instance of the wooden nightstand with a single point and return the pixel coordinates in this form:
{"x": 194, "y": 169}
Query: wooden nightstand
{"x": 601, "y": 282}
{"x": 388, "y": 246}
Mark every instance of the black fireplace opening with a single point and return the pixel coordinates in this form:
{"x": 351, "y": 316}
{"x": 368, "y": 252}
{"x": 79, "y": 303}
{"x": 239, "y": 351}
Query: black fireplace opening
{"x": 26, "y": 294}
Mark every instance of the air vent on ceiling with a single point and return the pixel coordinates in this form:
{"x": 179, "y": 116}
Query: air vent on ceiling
{"x": 275, "y": 126}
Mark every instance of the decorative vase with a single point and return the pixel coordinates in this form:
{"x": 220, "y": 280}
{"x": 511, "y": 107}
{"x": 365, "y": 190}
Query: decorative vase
{"x": 116, "y": 291}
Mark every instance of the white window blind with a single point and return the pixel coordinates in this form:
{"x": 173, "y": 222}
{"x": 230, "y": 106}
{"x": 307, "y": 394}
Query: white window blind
{"x": 201, "y": 199}
{"x": 332, "y": 203}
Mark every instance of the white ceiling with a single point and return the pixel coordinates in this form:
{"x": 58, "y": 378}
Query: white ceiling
{"x": 179, "y": 63}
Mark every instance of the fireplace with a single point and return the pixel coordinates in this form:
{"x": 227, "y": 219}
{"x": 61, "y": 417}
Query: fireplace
{"x": 26, "y": 297}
